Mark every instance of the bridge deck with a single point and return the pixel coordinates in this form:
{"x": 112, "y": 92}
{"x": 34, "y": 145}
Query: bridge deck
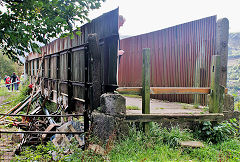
{"x": 164, "y": 107}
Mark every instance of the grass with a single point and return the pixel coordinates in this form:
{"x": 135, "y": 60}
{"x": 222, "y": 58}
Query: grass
{"x": 13, "y": 97}
{"x": 187, "y": 106}
{"x": 160, "y": 145}
{"x": 132, "y": 108}
{"x": 132, "y": 95}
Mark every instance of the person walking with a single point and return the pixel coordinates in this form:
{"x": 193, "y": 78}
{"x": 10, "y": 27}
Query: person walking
{"x": 7, "y": 80}
{"x": 18, "y": 83}
{"x": 14, "y": 81}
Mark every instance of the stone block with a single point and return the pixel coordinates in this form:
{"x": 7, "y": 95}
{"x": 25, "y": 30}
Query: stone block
{"x": 106, "y": 126}
{"x": 228, "y": 103}
{"x": 192, "y": 144}
{"x": 113, "y": 104}
{"x": 103, "y": 125}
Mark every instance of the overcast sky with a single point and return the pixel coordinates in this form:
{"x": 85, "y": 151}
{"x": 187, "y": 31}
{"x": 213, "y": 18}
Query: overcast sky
{"x": 144, "y": 16}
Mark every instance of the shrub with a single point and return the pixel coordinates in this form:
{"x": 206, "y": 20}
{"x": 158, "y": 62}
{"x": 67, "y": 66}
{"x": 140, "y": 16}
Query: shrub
{"x": 212, "y": 132}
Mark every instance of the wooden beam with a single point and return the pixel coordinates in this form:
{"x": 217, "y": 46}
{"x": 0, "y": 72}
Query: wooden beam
{"x": 169, "y": 90}
{"x": 130, "y": 89}
{"x": 179, "y": 90}
{"x": 183, "y": 117}
{"x": 146, "y": 87}
{"x": 95, "y": 70}
{"x": 217, "y": 90}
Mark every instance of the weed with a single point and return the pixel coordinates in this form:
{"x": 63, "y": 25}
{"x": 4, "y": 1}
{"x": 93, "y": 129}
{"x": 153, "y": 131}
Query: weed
{"x": 237, "y": 106}
{"x": 196, "y": 106}
{"x": 132, "y": 108}
{"x": 205, "y": 109}
{"x": 215, "y": 133}
{"x": 132, "y": 95}
{"x": 185, "y": 107}
{"x": 160, "y": 108}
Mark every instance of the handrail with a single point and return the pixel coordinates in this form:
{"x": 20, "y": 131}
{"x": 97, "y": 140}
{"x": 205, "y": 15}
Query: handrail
{"x": 170, "y": 90}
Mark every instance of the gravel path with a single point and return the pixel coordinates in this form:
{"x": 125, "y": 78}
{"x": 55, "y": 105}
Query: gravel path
{"x": 163, "y": 107}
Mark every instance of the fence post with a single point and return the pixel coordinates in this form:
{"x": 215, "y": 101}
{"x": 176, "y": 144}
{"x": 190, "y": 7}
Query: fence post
{"x": 222, "y": 35}
{"x": 69, "y": 84}
{"x": 146, "y": 86}
{"x": 217, "y": 90}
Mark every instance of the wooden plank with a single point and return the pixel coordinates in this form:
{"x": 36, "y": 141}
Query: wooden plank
{"x": 183, "y": 117}
{"x": 95, "y": 70}
{"x": 130, "y": 89}
{"x": 217, "y": 91}
{"x": 169, "y": 90}
{"x": 69, "y": 83}
{"x": 179, "y": 90}
{"x": 146, "y": 86}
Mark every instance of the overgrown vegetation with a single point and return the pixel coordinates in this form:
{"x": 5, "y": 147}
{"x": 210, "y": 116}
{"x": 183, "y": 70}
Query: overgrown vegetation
{"x": 13, "y": 97}
{"x": 234, "y": 67}
{"x": 7, "y": 67}
{"x": 216, "y": 133}
{"x": 161, "y": 144}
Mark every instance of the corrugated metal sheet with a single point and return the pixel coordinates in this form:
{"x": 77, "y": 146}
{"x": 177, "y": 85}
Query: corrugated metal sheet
{"x": 180, "y": 57}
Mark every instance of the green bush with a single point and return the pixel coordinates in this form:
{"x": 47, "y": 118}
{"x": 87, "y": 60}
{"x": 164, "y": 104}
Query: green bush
{"x": 215, "y": 133}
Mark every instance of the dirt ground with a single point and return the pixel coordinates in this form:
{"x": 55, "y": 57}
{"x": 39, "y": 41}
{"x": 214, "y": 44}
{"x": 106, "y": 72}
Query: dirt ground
{"x": 163, "y": 107}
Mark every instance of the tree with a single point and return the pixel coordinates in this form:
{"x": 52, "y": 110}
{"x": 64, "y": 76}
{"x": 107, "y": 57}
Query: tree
{"x": 23, "y": 23}
{"x": 7, "y": 67}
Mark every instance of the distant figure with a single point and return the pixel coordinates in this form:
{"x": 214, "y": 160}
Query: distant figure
{"x": 14, "y": 81}
{"x": 18, "y": 83}
{"x": 121, "y": 21}
{"x": 7, "y": 80}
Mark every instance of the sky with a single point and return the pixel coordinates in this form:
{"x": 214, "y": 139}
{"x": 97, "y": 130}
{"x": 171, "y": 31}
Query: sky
{"x": 143, "y": 16}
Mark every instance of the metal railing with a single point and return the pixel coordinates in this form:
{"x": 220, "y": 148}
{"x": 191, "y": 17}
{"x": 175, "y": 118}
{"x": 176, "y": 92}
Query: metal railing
{"x": 39, "y": 131}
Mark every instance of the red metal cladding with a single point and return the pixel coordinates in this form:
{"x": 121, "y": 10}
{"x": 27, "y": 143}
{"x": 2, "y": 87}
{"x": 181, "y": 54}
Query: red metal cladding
{"x": 177, "y": 53}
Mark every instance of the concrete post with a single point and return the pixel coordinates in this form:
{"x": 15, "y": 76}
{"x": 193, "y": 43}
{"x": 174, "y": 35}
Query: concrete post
{"x": 222, "y": 34}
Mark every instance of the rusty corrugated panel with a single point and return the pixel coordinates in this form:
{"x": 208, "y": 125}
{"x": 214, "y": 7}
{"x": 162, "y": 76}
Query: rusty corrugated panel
{"x": 180, "y": 57}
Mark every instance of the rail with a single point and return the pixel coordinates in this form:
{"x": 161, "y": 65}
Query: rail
{"x": 169, "y": 90}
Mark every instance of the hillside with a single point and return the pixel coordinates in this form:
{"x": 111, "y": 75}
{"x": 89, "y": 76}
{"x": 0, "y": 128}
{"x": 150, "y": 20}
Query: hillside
{"x": 234, "y": 45}
{"x": 234, "y": 65}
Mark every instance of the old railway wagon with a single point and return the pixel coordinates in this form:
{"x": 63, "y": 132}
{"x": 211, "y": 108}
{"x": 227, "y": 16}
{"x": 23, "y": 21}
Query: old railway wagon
{"x": 79, "y": 70}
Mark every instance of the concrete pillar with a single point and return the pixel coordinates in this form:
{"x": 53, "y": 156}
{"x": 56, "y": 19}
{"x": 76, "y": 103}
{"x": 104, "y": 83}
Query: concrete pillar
{"x": 222, "y": 34}
{"x": 228, "y": 103}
